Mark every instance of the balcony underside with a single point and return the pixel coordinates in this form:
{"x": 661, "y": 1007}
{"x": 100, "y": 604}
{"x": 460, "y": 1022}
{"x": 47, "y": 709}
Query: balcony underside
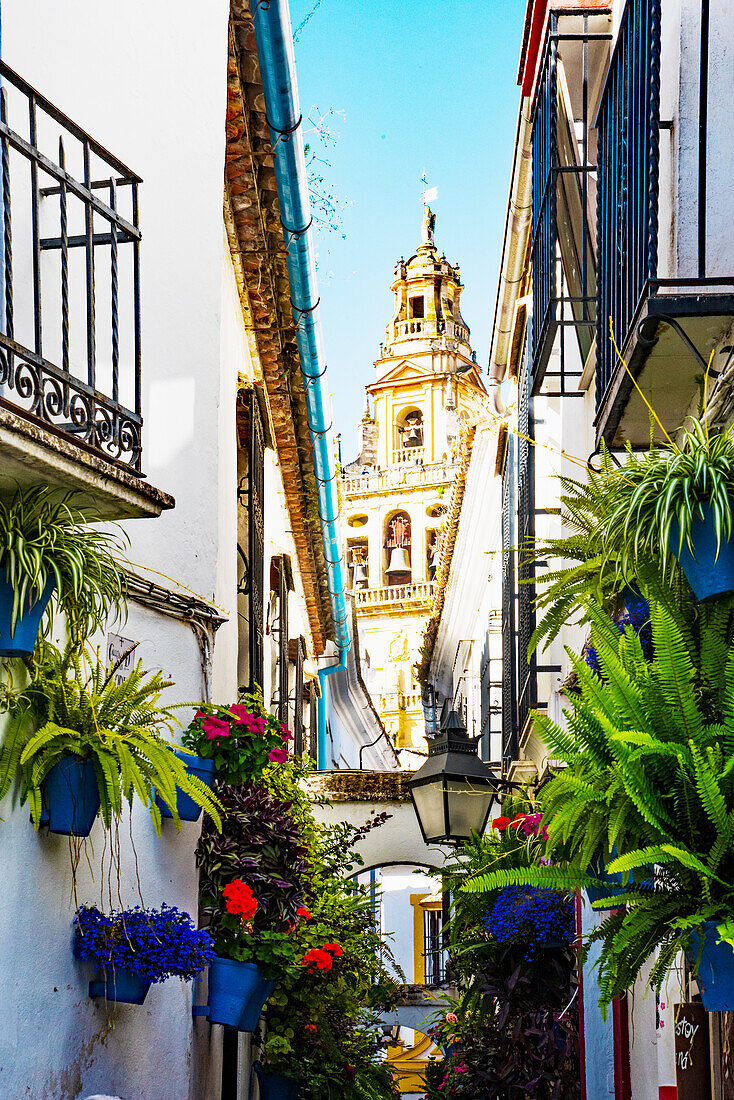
{"x": 31, "y": 453}
{"x": 661, "y": 363}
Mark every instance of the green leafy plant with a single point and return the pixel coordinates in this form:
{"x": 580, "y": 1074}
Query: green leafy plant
{"x": 73, "y": 705}
{"x": 671, "y": 483}
{"x": 45, "y": 536}
{"x": 649, "y": 750}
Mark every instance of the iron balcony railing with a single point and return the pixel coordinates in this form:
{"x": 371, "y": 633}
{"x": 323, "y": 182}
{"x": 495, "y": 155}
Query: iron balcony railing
{"x": 563, "y": 189}
{"x": 627, "y": 193}
{"x": 70, "y": 268}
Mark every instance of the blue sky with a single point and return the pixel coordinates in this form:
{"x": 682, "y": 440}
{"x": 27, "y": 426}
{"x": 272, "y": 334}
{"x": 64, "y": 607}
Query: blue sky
{"x": 415, "y": 85}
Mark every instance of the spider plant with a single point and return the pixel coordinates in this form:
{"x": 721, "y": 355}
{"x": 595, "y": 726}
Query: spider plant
{"x": 44, "y": 536}
{"x": 74, "y": 705}
{"x": 661, "y": 492}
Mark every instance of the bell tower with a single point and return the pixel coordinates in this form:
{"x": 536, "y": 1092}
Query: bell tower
{"x": 396, "y": 492}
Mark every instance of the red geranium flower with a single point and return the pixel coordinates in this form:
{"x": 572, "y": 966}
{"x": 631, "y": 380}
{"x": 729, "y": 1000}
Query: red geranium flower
{"x": 310, "y": 1028}
{"x": 518, "y": 820}
{"x": 303, "y": 913}
{"x": 501, "y": 823}
{"x": 239, "y": 899}
{"x": 335, "y": 949}
{"x": 317, "y": 959}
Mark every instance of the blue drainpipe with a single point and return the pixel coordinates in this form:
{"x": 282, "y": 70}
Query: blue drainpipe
{"x": 277, "y": 66}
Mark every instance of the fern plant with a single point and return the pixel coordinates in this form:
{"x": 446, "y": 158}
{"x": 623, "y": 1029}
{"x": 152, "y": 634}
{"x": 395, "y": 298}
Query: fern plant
{"x": 44, "y": 536}
{"x": 649, "y": 749}
{"x": 73, "y": 705}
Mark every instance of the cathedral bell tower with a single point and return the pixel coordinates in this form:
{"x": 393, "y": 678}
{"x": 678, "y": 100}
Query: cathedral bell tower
{"x": 396, "y": 492}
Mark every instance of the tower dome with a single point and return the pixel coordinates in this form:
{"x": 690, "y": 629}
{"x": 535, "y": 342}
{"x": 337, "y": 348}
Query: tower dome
{"x": 426, "y": 290}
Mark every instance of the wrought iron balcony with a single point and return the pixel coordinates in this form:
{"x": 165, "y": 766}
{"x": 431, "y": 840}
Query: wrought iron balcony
{"x": 665, "y": 319}
{"x": 70, "y": 267}
{"x": 564, "y": 193}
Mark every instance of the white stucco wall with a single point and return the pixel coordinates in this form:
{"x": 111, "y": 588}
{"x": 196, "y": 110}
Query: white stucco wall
{"x": 149, "y": 84}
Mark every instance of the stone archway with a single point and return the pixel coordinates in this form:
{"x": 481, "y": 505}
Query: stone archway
{"x": 355, "y": 796}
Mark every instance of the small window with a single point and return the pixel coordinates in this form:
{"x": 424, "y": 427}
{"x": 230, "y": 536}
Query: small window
{"x": 417, "y": 307}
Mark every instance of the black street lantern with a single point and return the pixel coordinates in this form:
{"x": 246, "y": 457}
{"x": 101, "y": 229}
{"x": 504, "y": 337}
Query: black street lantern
{"x": 454, "y": 791}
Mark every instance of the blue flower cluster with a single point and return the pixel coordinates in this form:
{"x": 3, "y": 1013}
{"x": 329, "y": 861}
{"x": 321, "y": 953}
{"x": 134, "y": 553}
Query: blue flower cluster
{"x": 153, "y": 943}
{"x": 532, "y": 916}
{"x": 636, "y": 615}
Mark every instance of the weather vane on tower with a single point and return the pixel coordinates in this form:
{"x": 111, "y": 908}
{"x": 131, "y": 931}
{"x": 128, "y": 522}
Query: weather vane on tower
{"x": 429, "y": 218}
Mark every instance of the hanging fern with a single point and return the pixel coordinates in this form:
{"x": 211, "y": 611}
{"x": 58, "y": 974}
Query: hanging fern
{"x": 649, "y": 781}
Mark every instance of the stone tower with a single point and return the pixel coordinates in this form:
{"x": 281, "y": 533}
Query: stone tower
{"x": 396, "y": 492}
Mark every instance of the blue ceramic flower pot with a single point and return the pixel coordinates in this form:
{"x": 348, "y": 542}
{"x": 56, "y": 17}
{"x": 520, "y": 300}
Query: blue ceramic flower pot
{"x": 273, "y": 1086}
{"x": 707, "y": 575}
{"x": 237, "y": 993}
{"x": 204, "y": 769}
{"x": 715, "y": 972}
{"x": 612, "y": 886}
{"x": 121, "y": 985}
{"x": 23, "y": 641}
{"x": 71, "y": 797}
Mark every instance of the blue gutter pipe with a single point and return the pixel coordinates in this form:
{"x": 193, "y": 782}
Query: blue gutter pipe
{"x": 274, "y": 39}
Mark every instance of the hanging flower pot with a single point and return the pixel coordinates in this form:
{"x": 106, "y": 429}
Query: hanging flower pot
{"x": 612, "y": 886}
{"x": 715, "y": 969}
{"x": 274, "y": 1086}
{"x": 22, "y": 641}
{"x": 121, "y": 985}
{"x": 135, "y": 947}
{"x": 72, "y": 796}
{"x": 237, "y": 993}
{"x": 708, "y": 575}
{"x": 202, "y": 768}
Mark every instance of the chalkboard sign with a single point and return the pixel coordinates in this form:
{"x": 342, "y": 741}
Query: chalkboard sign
{"x": 692, "y": 1067}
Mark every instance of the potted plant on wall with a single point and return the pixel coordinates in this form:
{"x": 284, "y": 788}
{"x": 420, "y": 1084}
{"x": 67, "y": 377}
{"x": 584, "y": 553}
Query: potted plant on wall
{"x": 676, "y": 499}
{"x": 133, "y": 948}
{"x": 251, "y": 891}
{"x": 84, "y": 744}
{"x": 47, "y": 547}
{"x": 235, "y": 743}
{"x": 648, "y": 751}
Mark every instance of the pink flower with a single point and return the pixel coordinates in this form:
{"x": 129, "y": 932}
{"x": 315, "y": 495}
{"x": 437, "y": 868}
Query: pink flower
{"x": 278, "y": 756}
{"x": 285, "y": 735}
{"x": 451, "y": 1018}
{"x": 215, "y": 727}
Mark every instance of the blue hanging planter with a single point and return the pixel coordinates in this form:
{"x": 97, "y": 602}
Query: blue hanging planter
{"x": 204, "y": 769}
{"x": 274, "y": 1086}
{"x": 707, "y": 575}
{"x": 71, "y": 795}
{"x": 612, "y": 886}
{"x": 121, "y": 985}
{"x": 715, "y": 972}
{"x": 23, "y": 641}
{"x": 237, "y": 993}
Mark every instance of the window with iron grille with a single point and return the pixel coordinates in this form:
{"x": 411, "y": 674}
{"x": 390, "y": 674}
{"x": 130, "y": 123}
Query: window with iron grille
{"x": 256, "y": 537}
{"x": 313, "y": 738}
{"x": 564, "y": 189}
{"x": 82, "y": 380}
{"x": 627, "y": 195}
{"x": 282, "y": 632}
{"x": 526, "y": 670}
{"x": 434, "y": 951}
{"x": 509, "y": 593}
{"x": 300, "y": 652}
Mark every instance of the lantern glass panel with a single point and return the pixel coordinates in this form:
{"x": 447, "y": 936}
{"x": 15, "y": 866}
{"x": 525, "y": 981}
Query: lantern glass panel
{"x": 429, "y": 805}
{"x": 469, "y": 805}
